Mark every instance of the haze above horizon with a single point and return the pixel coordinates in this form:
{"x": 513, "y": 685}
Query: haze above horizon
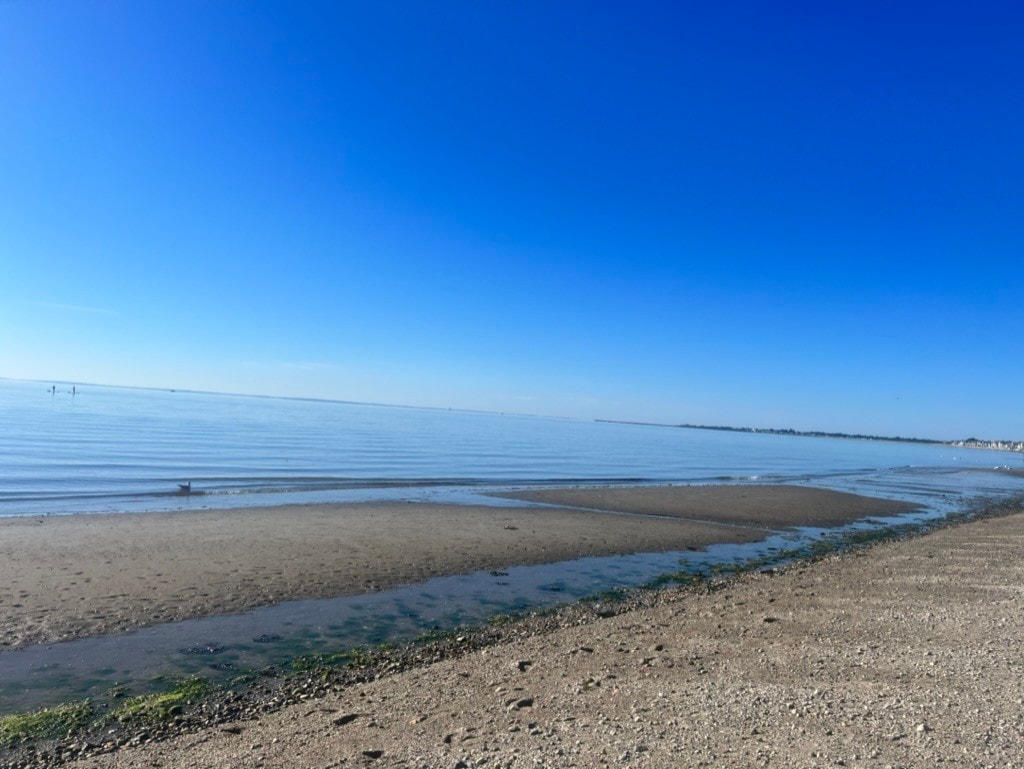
{"x": 794, "y": 216}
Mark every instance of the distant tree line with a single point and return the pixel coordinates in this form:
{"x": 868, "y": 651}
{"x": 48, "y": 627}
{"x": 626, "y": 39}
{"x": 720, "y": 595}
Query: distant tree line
{"x": 966, "y": 442}
{"x": 812, "y": 433}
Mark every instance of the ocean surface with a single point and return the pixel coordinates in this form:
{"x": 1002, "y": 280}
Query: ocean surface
{"x": 107, "y": 449}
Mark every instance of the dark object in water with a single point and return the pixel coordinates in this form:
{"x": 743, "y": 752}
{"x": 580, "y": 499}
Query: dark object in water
{"x": 267, "y": 638}
{"x": 499, "y": 573}
{"x": 202, "y": 649}
{"x": 185, "y": 488}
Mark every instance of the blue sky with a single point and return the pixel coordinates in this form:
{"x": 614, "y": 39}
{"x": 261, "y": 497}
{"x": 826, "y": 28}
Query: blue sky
{"x": 743, "y": 213}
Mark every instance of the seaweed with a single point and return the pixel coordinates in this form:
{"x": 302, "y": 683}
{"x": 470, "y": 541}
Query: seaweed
{"x": 163, "y": 706}
{"x": 45, "y": 724}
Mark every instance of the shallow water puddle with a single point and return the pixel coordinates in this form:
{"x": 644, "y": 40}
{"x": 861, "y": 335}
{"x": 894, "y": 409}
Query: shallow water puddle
{"x": 224, "y": 647}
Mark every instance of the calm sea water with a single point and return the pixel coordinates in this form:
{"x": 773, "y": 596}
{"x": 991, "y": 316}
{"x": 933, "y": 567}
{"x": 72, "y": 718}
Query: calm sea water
{"x": 119, "y": 449}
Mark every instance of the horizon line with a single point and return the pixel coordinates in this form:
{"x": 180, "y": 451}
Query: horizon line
{"x": 307, "y": 398}
{"x": 687, "y": 426}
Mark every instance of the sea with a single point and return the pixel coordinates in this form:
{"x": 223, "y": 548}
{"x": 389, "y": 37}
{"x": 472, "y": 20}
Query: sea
{"x": 79, "y": 448}
{"x": 86, "y": 449}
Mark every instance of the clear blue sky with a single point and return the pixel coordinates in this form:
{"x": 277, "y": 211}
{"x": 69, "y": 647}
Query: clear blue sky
{"x": 802, "y": 215}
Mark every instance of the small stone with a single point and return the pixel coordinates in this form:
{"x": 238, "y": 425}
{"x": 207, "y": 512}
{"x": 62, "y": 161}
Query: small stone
{"x": 374, "y": 754}
{"x": 525, "y": 702}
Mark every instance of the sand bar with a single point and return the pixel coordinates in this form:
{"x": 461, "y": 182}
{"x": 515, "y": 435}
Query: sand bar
{"x": 907, "y": 656}
{"x": 774, "y": 507}
{"x": 65, "y": 577}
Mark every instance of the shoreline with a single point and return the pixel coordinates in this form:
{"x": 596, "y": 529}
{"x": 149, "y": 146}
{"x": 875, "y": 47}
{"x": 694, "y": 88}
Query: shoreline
{"x": 71, "y": 577}
{"x": 458, "y": 491}
{"x": 891, "y": 656}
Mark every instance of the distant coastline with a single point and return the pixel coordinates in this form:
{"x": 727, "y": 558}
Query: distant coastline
{"x": 966, "y": 443}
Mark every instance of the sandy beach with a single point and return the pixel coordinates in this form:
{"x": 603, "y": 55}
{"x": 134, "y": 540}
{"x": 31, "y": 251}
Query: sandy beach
{"x": 906, "y": 655}
{"x": 64, "y": 577}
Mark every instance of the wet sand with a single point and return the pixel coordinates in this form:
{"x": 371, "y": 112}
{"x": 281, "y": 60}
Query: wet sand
{"x": 774, "y": 507}
{"x": 904, "y": 656}
{"x": 74, "y": 576}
